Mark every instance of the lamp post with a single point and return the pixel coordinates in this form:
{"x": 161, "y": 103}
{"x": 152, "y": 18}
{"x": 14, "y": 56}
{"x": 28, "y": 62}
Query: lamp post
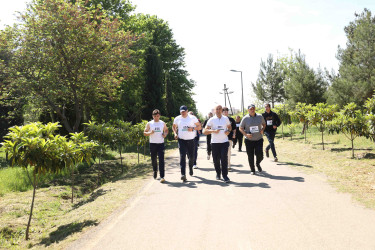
{"x": 242, "y": 104}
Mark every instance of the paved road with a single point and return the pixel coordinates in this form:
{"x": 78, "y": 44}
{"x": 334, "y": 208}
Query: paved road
{"x": 279, "y": 209}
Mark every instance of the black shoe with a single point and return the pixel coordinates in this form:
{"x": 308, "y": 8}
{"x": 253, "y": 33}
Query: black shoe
{"x": 240, "y": 150}
{"x": 191, "y": 171}
{"x": 217, "y": 177}
{"x": 259, "y": 168}
{"x": 155, "y": 175}
{"x": 267, "y": 153}
{"x": 226, "y": 180}
{"x": 183, "y": 178}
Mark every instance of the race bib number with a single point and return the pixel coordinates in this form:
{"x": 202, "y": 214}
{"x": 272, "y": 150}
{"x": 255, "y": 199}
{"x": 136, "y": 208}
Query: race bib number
{"x": 238, "y": 125}
{"x": 254, "y": 129}
{"x": 269, "y": 122}
{"x": 185, "y": 128}
{"x": 157, "y": 130}
{"x": 220, "y": 127}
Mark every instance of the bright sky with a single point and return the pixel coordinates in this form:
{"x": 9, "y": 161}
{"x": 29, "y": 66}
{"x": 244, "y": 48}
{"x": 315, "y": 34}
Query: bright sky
{"x": 222, "y": 35}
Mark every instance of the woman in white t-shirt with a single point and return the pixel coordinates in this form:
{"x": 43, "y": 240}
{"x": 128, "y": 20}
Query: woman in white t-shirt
{"x": 157, "y": 130}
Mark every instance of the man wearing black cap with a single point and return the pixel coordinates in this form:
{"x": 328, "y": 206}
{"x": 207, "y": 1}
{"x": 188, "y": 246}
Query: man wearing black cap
{"x": 184, "y": 129}
{"x": 252, "y": 127}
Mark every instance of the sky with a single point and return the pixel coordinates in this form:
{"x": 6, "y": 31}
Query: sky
{"x": 222, "y": 35}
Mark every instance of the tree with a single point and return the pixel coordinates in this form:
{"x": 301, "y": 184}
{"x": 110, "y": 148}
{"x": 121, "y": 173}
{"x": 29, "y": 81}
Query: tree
{"x": 370, "y": 118}
{"x": 301, "y": 113}
{"x": 283, "y": 111}
{"x": 319, "y": 115}
{"x": 269, "y": 85}
{"x": 355, "y": 81}
{"x": 64, "y": 55}
{"x": 350, "y": 121}
{"x": 302, "y": 83}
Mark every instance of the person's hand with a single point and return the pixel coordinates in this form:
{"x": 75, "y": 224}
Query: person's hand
{"x": 190, "y": 129}
{"x": 151, "y": 132}
{"x": 175, "y": 136}
{"x": 164, "y": 135}
{"x": 261, "y": 132}
{"x": 274, "y": 127}
{"x": 249, "y": 136}
{"x": 216, "y": 131}
{"x": 234, "y": 135}
{"x": 226, "y": 132}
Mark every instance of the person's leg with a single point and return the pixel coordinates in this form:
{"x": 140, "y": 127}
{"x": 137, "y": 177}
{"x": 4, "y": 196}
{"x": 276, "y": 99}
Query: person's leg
{"x": 224, "y": 158}
{"x": 161, "y": 159}
{"x": 229, "y": 153}
{"x": 196, "y": 141}
{"x": 272, "y": 144}
{"x": 209, "y": 148}
{"x": 183, "y": 150}
{"x": 250, "y": 154}
{"x": 240, "y": 140}
{"x": 259, "y": 153}
{"x": 154, "y": 154}
{"x": 190, "y": 151}
{"x": 216, "y": 158}
{"x": 270, "y": 141}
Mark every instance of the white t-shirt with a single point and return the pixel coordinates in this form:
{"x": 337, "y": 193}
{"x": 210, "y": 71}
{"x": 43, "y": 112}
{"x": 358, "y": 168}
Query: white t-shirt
{"x": 158, "y": 128}
{"x": 219, "y": 123}
{"x": 183, "y": 124}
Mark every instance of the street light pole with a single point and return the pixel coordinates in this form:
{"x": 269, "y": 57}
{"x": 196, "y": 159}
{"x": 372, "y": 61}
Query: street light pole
{"x": 242, "y": 102}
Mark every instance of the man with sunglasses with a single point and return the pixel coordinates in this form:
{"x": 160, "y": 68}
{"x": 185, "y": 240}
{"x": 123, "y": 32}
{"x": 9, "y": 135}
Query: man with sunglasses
{"x": 231, "y": 135}
{"x": 252, "y": 127}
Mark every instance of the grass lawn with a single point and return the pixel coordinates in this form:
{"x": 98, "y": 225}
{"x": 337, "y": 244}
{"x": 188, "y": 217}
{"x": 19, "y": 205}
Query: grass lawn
{"x": 355, "y": 176}
{"x": 56, "y": 222}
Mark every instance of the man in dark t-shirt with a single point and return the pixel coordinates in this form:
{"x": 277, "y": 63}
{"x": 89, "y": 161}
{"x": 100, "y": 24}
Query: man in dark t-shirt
{"x": 272, "y": 122}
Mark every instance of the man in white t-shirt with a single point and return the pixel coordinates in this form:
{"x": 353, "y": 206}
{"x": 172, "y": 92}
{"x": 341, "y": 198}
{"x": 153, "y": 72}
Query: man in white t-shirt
{"x": 157, "y": 130}
{"x": 184, "y": 129}
{"x": 219, "y": 127}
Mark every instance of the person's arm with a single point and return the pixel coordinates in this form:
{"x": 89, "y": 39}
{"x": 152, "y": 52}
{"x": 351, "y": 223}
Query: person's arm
{"x": 165, "y": 130}
{"x": 263, "y": 126}
{"x": 174, "y": 128}
{"x": 147, "y": 131}
{"x": 242, "y": 130}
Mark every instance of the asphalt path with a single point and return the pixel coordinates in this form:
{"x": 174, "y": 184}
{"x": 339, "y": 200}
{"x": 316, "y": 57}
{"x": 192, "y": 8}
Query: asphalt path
{"x": 280, "y": 208}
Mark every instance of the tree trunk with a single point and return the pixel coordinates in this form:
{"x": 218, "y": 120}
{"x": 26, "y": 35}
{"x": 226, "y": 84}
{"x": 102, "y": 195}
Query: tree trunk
{"x": 352, "y": 145}
{"x": 323, "y": 139}
{"x": 144, "y": 151}
{"x": 72, "y": 183}
{"x": 122, "y": 167}
{"x": 282, "y": 130}
{"x": 138, "y": 152}
{"x": 32, "y": 207}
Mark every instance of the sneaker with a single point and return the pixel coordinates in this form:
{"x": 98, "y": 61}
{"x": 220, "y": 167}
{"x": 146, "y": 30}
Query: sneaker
{"x": 208, "y": 157}
{"x": 162, "y": 180}
{"x": 267, "y": 153}
{"x": 252, "y": 173}
{"x": 191, "y": 171}
{"x": 226, "y": 180}
{"x": 276, "y": 160}
{"x": 240, "y": 150}
{"x": 195, "y": 166}
{"x": 259, "y": 168}
{"x": 183, "y": 178}
{"x": 217, "y": 177}
{"x": 229, "y": 168}
{"x": 155, "y": 175}
{"x": 233, "y": 145}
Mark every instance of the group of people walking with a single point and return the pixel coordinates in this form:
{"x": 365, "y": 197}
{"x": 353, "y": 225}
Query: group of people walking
{"x": 223, "y": 133}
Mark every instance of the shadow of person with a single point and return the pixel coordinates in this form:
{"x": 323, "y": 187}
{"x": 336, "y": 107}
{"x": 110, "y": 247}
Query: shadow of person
{"x": 282, "y": 178}
{"x": 188, "y": 184}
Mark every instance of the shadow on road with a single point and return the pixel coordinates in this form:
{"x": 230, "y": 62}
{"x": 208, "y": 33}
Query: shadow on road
{"x": 294, "y": 164}
{"x": 282, "y": 178}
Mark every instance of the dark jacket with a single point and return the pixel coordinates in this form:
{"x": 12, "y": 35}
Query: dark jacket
{"x": 272, "y": 116}
{"x": 233, "y": 124}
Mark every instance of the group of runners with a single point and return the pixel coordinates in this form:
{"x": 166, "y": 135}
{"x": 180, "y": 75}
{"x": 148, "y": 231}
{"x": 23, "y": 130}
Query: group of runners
{"x": 223, "y": 133}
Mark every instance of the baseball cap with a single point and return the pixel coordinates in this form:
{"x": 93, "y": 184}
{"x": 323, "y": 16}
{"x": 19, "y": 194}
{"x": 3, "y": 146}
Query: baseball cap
{"x": 251, "y": 106}
{"x": 183, "y": 108}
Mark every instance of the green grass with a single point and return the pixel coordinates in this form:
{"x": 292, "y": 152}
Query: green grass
{"x": 99, "y": 190}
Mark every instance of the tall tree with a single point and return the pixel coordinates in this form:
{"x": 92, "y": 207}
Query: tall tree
{"x": 302, "y": 83}
{"x": 355, "y": 81}
{"x": 65, "y": 55}
{"x": 269, "y": 85}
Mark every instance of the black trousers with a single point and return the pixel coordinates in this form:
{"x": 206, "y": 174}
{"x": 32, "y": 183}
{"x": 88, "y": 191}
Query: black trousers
{"x": 186, "y": 147}
{"x": 251, "y": 148}
{"x": 157, "y": 150}
{"x": 220, "y": 155}
{"x": 209, "y": 148}
{"x": 239, "y": 139}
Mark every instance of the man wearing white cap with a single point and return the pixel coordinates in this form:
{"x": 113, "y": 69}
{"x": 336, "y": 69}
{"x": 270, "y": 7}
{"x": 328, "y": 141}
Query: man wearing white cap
{"x": 184, "y": 129}
{"x": 252, "y": 127}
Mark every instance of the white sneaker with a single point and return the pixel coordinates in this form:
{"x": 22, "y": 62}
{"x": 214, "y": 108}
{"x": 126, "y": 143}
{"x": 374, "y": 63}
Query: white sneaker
{"x": 195, "y": 166}
{"x": 229, "y": 168}
{"x": 208, "y": 157}
{"x": 162, "y": 180}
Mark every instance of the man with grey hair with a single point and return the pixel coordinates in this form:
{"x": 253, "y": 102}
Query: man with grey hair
{"x": 252, "y": 127}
